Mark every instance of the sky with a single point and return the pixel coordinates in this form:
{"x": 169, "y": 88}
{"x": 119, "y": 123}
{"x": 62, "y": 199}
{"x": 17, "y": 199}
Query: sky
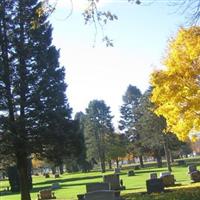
{"x": 94, "y": 71}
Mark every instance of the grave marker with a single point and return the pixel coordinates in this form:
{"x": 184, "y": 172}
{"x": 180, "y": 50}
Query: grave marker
{"x": 91, "y": 187}
{"x": 192, "y": 168}
{"x": 113, "y": 181}
{"x": 100, "y": 195}
{"x": 168, "y": 180}
{"x": 153, "y": 176}
{"x": 46, "y": 194}
{"x": 154, "y": 185}
{"x": 131, "y": 173}
{"x": 195, "y": 176}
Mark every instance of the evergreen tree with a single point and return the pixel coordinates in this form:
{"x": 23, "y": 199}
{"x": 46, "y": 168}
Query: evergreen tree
{"x": 150, "y": 129}
{"x": 82, "y": 162}
{"x": 117, "y": 147}
{"x": 129, "y": 115}
{"x": 33, "y": 107}
{"x": 130, "y": 101}
{"x": 98, "y": 126}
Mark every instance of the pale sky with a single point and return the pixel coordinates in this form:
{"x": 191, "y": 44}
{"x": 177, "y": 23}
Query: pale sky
{"x": 140, "y": 39}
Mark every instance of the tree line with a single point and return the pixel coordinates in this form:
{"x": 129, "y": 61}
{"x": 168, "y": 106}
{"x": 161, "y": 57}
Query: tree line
{"x": 142, "y": 133}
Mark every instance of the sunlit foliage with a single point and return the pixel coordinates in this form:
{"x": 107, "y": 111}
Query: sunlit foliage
{"x": 177, "y": 88}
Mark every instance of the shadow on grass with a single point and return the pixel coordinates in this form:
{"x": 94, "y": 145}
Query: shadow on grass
{"x": 60, "y": 180}
{"x": 67, "y": 180}
{"x": 8, "y": 193}
{"x": 37, "y": 189}
{"x": 65, "y": 183}
{"x": 150, "y": 170}
{"x": 135, "y": 188}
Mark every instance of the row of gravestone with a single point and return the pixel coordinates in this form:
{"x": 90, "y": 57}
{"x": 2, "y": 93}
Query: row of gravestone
{"x": 109, "y": 189}
{"x": 47, "y": 175}
{"x": 155, "y": 184}
{"x": 166, "y": 179}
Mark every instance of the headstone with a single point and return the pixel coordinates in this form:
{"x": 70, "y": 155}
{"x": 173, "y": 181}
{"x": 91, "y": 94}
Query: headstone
{"x": 117, "y": 170}
{"x": 100, "y": 195}
{"x": 91, "y": 187}
{"x": 154, "y": 185}
{"x": 46, "y": 175}
{"x": 181, "y": 162}
{"x": 55, "y": 186}
{"x": 57, "y": 175}
{"x": 168, "y": 180}
{"x": 131, "y": 173}
{"x": 153, "y": 176}
{"x": 192, "y": 168}
{"x": 195, "y": 176}
{"x": 46, "y": 194}
{"x": 113, "y": 181}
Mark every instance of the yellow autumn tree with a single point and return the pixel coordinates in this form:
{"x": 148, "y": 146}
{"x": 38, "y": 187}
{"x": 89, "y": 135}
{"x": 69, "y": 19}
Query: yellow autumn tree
{"x": 176, "y": 89}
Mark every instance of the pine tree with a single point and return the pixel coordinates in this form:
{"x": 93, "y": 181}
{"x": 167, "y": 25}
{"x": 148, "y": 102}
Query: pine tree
{"x": 33, "y": 106}
{"x": 130, "y": 101}
{"x": 98, "y": 126}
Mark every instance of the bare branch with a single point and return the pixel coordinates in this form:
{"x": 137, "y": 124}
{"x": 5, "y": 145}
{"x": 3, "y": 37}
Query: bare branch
{"x": 189, "y": 7}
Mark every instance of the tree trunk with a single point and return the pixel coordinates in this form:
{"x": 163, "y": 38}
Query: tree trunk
{"x": 171, "y": 156}
{"x": 102, "y": 160}
{"x": 103, "y": 167}
{"x": 141, "y": 161}
{"x": 61, "y": 169}
{"x": 159, "y": 161}
{"x": 22, "y": 166}
{"x": 13, "y": 177}
{"x": 110, "y": 164}
{"x": 117, "y": 162}
{"x": 167, "y": 155}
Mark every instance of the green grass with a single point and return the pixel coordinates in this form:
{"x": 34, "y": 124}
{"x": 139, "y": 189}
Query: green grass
{"x": 73, "y": 184}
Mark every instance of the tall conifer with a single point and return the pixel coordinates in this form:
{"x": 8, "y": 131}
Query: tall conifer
{"x": 33, "y": 107}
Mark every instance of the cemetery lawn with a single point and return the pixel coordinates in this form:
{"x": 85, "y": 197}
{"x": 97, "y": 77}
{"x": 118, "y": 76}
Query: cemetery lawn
{"x": 73, "y": 184}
